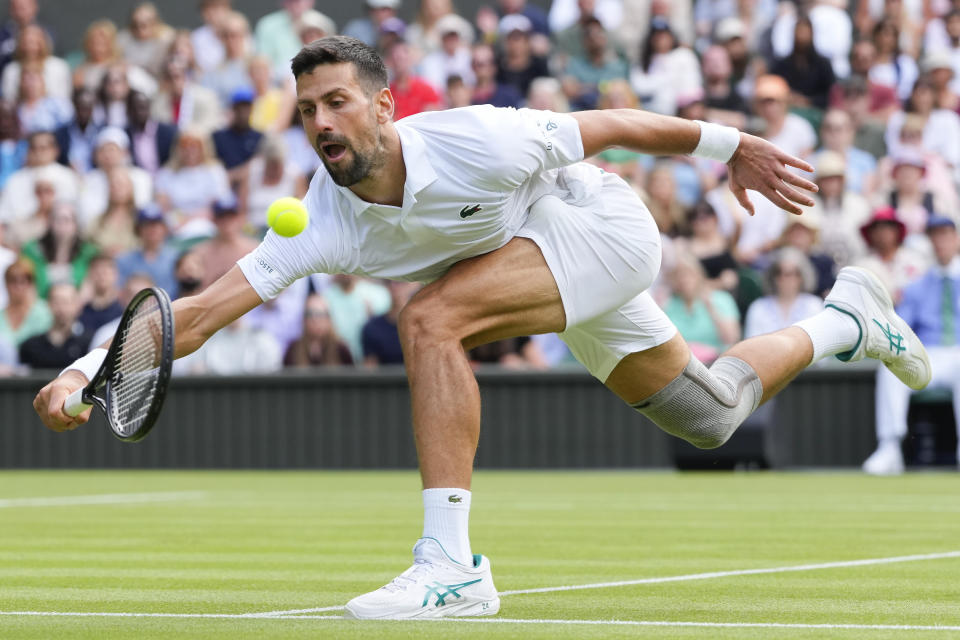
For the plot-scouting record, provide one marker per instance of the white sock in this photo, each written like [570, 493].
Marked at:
[831, 332]
[446, 517]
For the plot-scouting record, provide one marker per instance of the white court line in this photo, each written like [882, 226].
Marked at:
[631, 623]
[104, 498]
[689, 576]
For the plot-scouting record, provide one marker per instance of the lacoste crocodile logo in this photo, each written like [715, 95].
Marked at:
[454, 499]
[468, 211]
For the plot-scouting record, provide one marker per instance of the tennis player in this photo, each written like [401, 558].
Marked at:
[515, 235]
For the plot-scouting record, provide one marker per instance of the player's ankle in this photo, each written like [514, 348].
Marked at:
[832, 332]
[446, 516]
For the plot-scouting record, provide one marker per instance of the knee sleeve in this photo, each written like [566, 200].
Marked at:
[705, 406]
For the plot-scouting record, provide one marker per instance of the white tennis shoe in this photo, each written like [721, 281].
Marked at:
[435, 586]
[884, 336]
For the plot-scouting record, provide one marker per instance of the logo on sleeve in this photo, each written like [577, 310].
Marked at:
[263, 265]
[468, 211]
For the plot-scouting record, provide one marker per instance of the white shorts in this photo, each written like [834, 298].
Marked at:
[603, 248]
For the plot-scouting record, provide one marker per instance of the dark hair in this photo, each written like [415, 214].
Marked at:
[646, 55]
[338, 49]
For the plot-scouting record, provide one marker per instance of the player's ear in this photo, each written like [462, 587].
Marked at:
[384, 105]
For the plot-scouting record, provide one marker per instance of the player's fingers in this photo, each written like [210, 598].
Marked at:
[741, 195]
[792, 161]
[780, 201]
[798, 181]
[792, 194]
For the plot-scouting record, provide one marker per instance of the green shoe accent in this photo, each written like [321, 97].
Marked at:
[477, 559]
[846, 355]
[896, 340]
[448, 590]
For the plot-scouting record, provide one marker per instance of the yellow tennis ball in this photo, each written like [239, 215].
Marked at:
[287, 216]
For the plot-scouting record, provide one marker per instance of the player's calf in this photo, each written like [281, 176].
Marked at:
[705, 406]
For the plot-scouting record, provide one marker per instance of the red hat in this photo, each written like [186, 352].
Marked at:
[883, 214]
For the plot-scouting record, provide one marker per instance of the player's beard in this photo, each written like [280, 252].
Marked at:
[349, 172]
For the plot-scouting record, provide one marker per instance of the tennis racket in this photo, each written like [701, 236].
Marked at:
[132, 381]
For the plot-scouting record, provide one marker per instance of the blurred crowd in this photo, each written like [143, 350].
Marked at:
[150, 156]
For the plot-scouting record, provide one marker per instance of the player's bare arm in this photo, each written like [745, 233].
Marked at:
[196, 318]
[756, 164]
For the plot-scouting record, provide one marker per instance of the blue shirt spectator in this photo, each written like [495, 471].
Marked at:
[237, 143]
[154, 258]
[381, 341]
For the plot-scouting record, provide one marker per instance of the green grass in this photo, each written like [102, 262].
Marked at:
[263, 541]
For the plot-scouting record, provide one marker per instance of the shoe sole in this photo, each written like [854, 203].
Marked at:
[465, 610]
[864, 278]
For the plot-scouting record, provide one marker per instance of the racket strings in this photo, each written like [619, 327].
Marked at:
[134, 379]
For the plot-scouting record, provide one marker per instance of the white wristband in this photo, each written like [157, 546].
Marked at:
[716, 142]
[89, 364]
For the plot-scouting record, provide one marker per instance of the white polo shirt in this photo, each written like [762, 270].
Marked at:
[472, 174]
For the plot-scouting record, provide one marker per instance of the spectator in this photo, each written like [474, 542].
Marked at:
[26, 314]
[788, 280]
[538, 21]
[411, 93]
[836, 132]
[931, 307]
[666, 70]
[18, 200]
[60, 255]
[38, 222]
[457, 94]
[111, 153]
[731, 34]
[519, 354]
[425, 33]
[184, 103]
[453, 57]
[299, 149]
[830, 34]
[189, 184]
[7, 257]
[368, 29]
[182, 47]
[547, 94]
[231, 74]
[711, 248]
[313, 25]
[272, 106]
[146, 39]
[188, 272]
[938, 67]
[943, 34]
[65, 340]
[39, 111]
[320, 344]
[99, 51]
[22, 13]
[150, 140]
[518, 65]
[238, 349]
[724, 105]
[275, 34]
[910, 198]
[887, 258]
[882, 99]
[941, 128]
[661, 200]
[809, 74]
[708, 319]
[598, 64]
[221, 252]
[113, 94]
[282, 316]
[103, 293]
[134, 284]
[352, 301]
[35, 50]
[78, 137]
[153, 257]
[569, 36]
[271, 175]
[892, 68]
[487, 89]
[207, 46]
[787, 130]
[13, 148]
[868, 127]
[113, 230]
[237, 143]
[381, 342]
[844, 211]
[802, 234]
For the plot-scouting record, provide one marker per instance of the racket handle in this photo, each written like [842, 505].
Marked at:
[74, 404]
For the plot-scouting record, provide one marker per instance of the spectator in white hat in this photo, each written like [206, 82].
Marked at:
[938, 66]
[518, 65]
[843, 210]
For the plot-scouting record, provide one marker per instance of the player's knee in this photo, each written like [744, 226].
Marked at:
[705, 406]
[423, 322]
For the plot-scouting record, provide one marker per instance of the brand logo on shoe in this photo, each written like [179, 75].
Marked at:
[442, 591]
[896, 340]
[455, 499]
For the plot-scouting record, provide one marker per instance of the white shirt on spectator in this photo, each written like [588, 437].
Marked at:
[19, 198]
[941, 135]
[207, 48]
[261, 196]
[796, 137]
[900, 75]
[238, 349]
[437, 66]
[7, 257]
[671, 75]
[766, 316]
[756, 231]
[563, 13]
[56, 79]
[95, 193]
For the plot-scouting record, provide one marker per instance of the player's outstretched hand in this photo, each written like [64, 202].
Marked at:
[49, 402]
[761, 166]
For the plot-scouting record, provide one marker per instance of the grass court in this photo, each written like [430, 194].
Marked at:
[275, 554]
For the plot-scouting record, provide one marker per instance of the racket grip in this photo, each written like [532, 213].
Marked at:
[74, 404]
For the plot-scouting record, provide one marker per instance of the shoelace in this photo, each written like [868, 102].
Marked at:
[410, 576]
